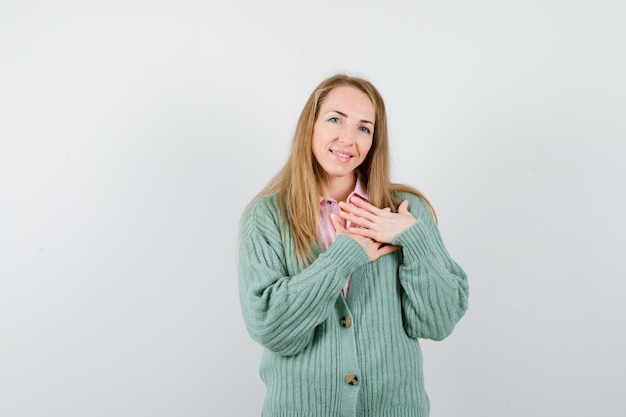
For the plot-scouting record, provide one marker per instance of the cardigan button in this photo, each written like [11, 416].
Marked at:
[346, 322]
[352, 379]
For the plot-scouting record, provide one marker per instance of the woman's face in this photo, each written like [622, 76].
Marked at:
[343, 131]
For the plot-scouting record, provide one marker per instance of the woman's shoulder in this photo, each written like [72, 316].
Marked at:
[267, 201]
[411, 196]
[265, 208]
[418, 203]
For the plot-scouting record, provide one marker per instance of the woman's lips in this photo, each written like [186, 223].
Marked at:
[340, 155]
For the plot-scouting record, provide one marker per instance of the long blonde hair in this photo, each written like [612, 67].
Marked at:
[298, 182]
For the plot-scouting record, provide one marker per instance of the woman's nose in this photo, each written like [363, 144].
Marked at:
[347, 135]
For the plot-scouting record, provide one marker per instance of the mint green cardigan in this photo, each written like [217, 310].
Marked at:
[327, 356]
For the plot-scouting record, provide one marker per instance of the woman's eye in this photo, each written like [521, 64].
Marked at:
[365, 130]
[334, 120]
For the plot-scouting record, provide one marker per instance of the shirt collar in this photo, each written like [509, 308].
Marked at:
[359, 191]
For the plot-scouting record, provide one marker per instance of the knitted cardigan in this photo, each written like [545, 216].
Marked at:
[327, 356]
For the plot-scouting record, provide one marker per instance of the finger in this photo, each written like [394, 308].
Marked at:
[355, 219]
[403, 207]
[362, 231]
[357, 211]
[364, 204]
[387, 209]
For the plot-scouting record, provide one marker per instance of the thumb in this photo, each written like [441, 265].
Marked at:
[336, 222]
[403, 207]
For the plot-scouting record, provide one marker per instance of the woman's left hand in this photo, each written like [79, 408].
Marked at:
[379, 224]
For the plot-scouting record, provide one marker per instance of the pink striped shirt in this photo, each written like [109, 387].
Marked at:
[325, 227]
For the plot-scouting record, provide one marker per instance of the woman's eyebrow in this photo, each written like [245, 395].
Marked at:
[345, 115]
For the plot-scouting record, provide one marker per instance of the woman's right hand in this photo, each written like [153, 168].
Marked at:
[373, 248]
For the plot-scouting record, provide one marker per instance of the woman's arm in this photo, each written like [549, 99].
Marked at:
[280, 311]
[435, 289]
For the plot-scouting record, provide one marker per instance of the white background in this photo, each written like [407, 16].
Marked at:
[133, 133]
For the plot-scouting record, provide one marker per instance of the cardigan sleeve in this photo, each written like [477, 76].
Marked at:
[281, 311]
[435, 290]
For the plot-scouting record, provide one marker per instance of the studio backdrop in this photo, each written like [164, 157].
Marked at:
[134, 133]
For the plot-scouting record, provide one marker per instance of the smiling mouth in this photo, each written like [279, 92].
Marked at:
[341, 155]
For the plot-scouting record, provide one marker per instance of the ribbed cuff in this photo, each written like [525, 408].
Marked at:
[417, 241]
[350, 252]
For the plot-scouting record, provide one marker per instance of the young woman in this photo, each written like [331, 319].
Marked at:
[341, 271]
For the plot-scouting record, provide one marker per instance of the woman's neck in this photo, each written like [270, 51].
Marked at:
[338, 188]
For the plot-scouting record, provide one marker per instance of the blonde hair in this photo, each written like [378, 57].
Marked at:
[298, 182]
